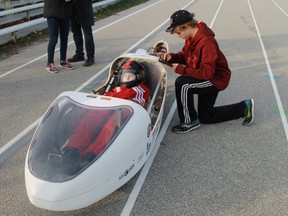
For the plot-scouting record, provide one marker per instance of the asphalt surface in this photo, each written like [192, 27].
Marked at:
[220, 169]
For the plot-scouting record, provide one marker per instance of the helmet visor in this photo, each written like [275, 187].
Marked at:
[128, 76]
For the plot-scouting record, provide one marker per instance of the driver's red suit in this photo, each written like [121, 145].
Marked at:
[102, 123]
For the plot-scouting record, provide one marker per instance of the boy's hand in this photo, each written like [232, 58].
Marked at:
[165, 56]
[174, 67]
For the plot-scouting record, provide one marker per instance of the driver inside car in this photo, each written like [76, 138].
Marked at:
[83, 146]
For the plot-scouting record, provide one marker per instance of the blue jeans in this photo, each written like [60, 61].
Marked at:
[78, 39]
[56, 26]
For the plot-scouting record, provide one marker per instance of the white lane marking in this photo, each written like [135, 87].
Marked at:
[144, 172]
[23, 65]
[140, 181]
[279, 7]
[18, 137]
[71, 42]
[274, 86]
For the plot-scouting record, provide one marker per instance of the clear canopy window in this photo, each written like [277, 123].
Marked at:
[72, 136]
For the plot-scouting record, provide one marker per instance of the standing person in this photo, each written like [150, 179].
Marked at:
[83, 19]
[58, 14]
[203, 71]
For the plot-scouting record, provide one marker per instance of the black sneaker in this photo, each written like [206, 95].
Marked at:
[185, 128]
[249, 112]
[89, 62]
[76, 58]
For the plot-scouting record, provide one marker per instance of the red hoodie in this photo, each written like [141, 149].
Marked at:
[202, 59]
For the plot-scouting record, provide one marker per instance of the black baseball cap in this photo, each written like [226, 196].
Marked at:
[178, 18]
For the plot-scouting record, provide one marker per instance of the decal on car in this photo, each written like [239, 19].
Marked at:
[126, 172]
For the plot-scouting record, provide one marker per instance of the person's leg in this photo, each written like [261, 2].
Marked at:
[208, 114]
[89, 126]
[185, 88]
[64, 32]
[107, 132]
[206, 102]
[53, 29]
[89, 45]
[78, 39]
[89, 41]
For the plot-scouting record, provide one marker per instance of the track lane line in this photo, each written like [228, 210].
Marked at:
[280, 8]
[271, 75]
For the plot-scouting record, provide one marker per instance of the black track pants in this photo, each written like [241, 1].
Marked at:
[186, 87]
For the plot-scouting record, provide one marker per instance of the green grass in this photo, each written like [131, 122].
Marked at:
[13, 48]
